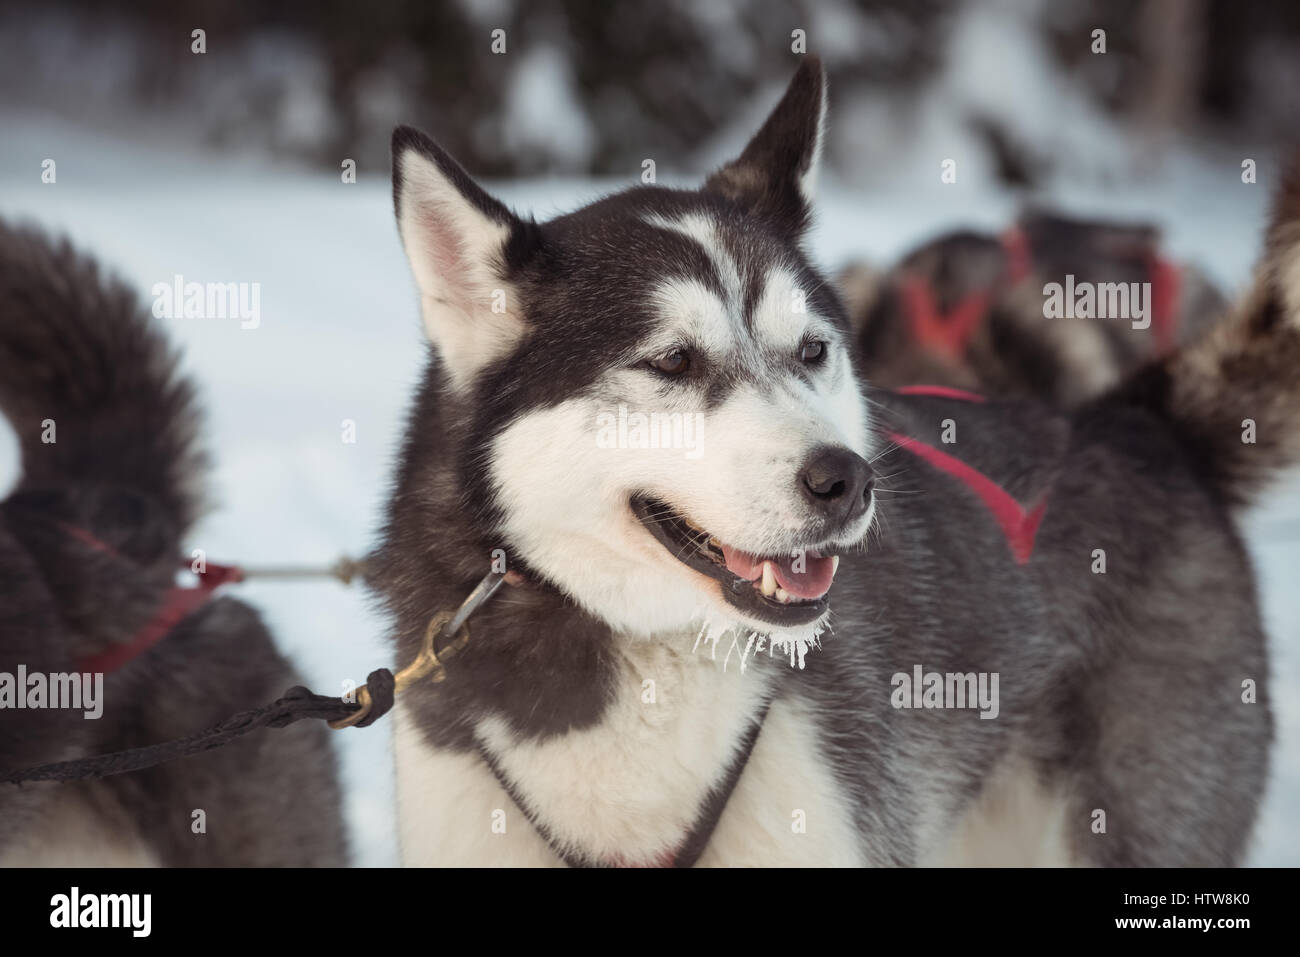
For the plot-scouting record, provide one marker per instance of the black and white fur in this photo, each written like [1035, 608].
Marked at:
[609, 690]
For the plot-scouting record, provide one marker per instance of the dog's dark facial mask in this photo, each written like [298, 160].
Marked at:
[662, 416]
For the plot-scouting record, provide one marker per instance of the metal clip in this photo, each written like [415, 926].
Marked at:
[430, 663]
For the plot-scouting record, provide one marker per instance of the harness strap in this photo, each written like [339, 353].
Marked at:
[941, 392]
[179, 602]
[690, 850]
[1166, 287]
[689, 853]
[948, 334]
[1018, 524]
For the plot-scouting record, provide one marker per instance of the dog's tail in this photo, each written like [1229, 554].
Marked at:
[90, 384]
[1234, 395]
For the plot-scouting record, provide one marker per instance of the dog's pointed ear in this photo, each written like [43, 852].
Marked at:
[462, 245]
[776, 174]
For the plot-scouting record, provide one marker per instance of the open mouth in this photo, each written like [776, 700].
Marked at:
[778, 589]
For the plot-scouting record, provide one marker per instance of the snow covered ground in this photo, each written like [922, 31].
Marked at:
[339, 337]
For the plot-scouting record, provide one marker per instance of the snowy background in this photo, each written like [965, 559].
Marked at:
[152, 194]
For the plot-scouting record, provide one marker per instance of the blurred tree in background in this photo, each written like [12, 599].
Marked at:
[593, 87]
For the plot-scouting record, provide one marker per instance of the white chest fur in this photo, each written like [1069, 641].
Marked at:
[629, 789]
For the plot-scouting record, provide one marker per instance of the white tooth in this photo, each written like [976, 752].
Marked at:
[835, 564]
[783, 596]
[769, 579]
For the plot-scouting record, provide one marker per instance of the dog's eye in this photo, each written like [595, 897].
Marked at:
[675, 363]
[812, 351]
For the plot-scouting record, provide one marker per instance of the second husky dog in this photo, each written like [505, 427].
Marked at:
[967, 309]
[90, 540]
[768, 615]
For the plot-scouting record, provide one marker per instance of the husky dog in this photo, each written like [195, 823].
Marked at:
[967, 309]
[1041, 644]
[89, 546]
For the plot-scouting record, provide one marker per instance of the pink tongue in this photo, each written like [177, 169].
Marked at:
[813, 582]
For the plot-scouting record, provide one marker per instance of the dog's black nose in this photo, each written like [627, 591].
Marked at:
[837, 484]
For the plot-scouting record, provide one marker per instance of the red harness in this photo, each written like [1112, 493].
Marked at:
[179, 602]
[945, 334]
[1166, 284]
[948, 335]
[1018, 524]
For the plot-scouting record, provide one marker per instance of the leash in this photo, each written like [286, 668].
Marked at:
[374, 699]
